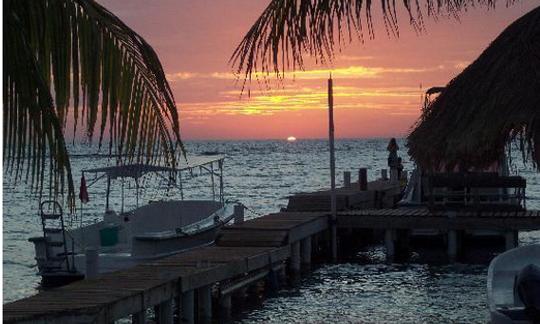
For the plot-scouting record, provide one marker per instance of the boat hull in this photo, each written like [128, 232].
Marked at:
[505, 305]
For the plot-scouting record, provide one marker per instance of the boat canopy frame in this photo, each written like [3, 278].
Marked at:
[137, 170]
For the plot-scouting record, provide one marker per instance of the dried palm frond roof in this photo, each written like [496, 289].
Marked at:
[494, 100]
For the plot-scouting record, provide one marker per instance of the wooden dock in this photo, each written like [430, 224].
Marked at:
[191, 286]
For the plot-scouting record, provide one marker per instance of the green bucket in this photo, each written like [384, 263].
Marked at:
[108, 236]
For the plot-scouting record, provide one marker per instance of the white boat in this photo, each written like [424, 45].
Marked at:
[124, 239]
[505, 304]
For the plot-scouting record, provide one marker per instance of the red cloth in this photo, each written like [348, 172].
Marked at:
[83, 191]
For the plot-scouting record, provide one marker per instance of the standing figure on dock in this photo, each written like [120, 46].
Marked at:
[393, 159]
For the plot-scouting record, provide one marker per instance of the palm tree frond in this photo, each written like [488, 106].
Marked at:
[75, 58]
[287, 30]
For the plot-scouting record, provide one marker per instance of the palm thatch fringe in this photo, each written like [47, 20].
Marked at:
[493, 101]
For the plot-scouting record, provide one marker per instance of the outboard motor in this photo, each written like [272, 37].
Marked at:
[528, 288]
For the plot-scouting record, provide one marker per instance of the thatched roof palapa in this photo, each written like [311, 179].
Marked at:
[494, 100]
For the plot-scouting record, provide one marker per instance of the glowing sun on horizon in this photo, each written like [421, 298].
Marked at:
[291, 139]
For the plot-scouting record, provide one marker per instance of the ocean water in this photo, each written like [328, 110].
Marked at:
[261, 174]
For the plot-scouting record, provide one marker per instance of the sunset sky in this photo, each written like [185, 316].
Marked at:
[378, 84]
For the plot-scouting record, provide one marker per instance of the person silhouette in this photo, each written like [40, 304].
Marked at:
[393, 161]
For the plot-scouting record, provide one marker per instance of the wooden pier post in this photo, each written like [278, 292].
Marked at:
[205, 304]
[384, 174]
[511, 240]
[402, 249]
[225, 303]
[389, 244]
[294, 262]
[164, 313]
[362, 179]
[139, 318]
[188, 307]
[92, 263]
[305, 253]
[347, 179]
[452, 245]
[239, 213]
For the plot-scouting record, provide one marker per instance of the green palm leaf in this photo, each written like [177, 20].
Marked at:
[65, 57]
[287, 30]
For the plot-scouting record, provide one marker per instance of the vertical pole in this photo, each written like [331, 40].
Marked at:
[137, 190]
[213, 183]
[221, 193]
[333, 231]
[122, 207]
[108, 192]
[181, 185]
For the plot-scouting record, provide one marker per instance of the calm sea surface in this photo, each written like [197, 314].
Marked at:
[261, 174]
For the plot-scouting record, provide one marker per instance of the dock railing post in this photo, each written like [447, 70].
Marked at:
[239, 213]
[362, 179]
[347, 179]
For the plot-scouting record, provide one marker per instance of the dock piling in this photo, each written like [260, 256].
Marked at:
[164, 312]
[205, 304]
[139, 318]
[389, 244]
[225, 304]
[384, 174]
[511, 240]
[294, 262]
[188, 307]
[452, 245]
[305, 253]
